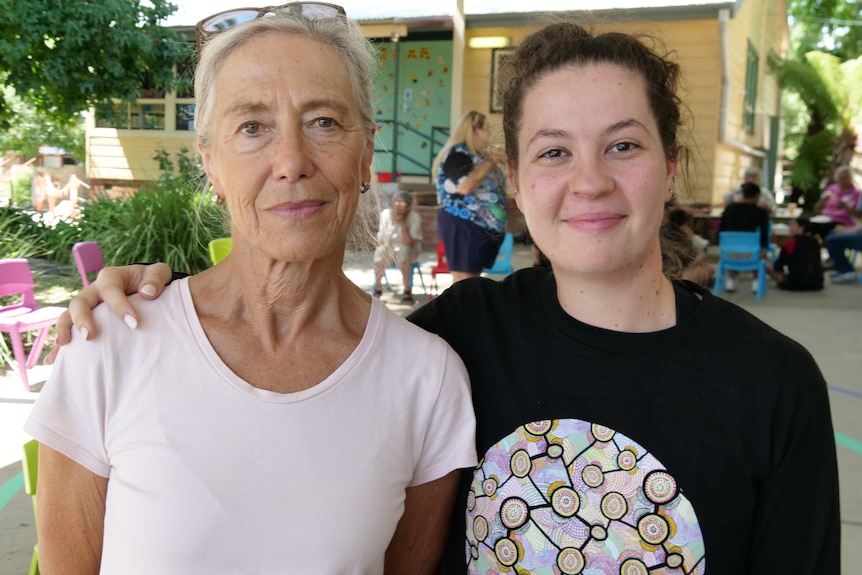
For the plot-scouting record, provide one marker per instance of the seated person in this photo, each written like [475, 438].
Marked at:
[840, 200]
[798, 267]
[683, 220]
[752, 175]
[844, 238]
[745, 216]
[676, 227]
[399, 235]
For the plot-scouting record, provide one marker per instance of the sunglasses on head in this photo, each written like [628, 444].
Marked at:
[228, 19]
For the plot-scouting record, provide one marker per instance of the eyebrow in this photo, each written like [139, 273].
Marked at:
[613, 128]
[630, 123]
[256, 106]
[245, 107]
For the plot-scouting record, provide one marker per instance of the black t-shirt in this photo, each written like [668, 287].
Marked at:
[744, 217]
[706, 444]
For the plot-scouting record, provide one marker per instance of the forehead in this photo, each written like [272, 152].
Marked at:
[276, 63]
[596, 85]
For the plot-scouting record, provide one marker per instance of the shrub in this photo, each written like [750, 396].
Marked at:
[22, 183]
[170, 222]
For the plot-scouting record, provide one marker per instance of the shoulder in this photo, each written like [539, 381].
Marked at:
[459, 154]
[409, 333]
[480, 302]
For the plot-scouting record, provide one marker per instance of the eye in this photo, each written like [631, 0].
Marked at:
[553, 153]
[251, 128]
[624, 147]
[324, 122]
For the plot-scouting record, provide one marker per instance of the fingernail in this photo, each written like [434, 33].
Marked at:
[85, 332]
[130, 321]
[149, 290]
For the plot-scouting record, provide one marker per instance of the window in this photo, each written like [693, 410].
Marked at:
[186, 116]
[750, 103]
[138, 116]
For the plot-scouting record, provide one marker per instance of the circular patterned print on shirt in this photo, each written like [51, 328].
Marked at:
[567, 496]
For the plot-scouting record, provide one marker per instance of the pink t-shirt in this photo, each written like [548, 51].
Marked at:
[208, 474]
[833, 210]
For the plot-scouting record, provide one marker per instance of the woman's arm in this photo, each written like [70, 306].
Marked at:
[422, 531]
[475, 178]
[70, 511]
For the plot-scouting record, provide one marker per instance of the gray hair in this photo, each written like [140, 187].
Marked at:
[344, 35]
[358, 54]
[407, 196]
[751, 172]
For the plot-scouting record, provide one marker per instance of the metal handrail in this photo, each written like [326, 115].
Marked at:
[432, 140]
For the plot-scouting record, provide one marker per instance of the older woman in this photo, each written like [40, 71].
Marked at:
[399, 235]
[263, 426]
[627, 422]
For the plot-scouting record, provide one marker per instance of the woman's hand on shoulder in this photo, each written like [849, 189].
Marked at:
[112, 286]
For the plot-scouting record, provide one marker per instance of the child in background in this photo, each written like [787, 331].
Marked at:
[798, 267]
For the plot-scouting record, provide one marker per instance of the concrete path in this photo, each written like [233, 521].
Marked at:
[829, 324]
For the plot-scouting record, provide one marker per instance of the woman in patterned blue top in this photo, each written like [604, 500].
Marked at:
[472, 217]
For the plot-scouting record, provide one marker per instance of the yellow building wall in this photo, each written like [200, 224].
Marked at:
[764, 24]
[122, 155]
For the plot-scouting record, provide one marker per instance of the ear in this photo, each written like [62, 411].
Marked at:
[512, 174]
[671, 168]
[369, 154]
[206, 158]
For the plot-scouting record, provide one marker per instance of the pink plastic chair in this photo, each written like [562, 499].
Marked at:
[17, 318]
[88, 258]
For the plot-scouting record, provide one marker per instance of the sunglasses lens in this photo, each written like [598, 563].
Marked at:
[225, 20]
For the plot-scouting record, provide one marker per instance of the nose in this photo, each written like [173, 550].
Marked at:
[590, 177]
[291, 154]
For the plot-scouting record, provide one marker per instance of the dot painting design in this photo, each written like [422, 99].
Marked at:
[570, 497]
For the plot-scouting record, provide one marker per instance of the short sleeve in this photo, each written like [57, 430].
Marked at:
[457, 166]
[450, 440]
[69, 415]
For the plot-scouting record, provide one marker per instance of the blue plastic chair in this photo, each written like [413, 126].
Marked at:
[414, 269]
[771, 247]
[740, 251]
[503, 264]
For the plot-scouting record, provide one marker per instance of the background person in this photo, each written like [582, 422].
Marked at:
[838, 243]
[745, 216]
[265, 425]
[606, 407]
[798, 266]
[839, 201]
[400, 237]
[471, 220]
[677, 228]
[752, 175]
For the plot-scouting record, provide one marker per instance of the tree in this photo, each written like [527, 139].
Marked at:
[30, 130]
[832, 26]
[831, 92]
[65, 56]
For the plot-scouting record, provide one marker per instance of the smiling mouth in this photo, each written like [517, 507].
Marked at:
[594, 222]
[298, 210]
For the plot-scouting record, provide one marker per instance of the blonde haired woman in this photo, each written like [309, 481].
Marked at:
[472, 217]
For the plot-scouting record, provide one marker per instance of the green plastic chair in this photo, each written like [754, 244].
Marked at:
[219, 249]
[30, 462]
